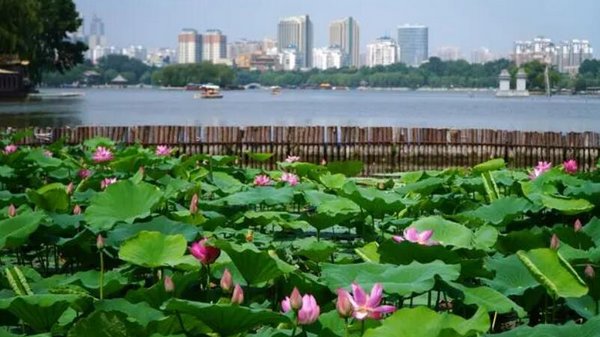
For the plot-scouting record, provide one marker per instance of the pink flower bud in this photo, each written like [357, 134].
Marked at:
[310, 311]
[76, 210]
[577, 226]
[226, 281]
[70, 188]
[194, 204]
[554, 242]
[205, 254]
[169, 285]
[12, 211]
[343, 305]
[238, 295]
[589, 272]
[99, 242]
[249, 235]
[142, 170]
[295, 299]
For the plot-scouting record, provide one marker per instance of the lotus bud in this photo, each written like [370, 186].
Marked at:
[577, 226]
[323, 162]
[100, 242]
[76, 210]
[238, 295]
[12, 211]
[141, 171]
[295, 299]
[343, 305]
[194, 204]
[249, 235]
[589, 272]
[169, 285]
[226, 281]
[70, 188]
[554, 242]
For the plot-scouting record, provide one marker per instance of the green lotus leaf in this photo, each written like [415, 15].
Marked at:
[424, 322]
[227, 320]
[161, 224]
[318, 251]
[153, 249]
[488, 298]
[333, 181]
[408, 252]
[52, 197]
[114, 281]
[140, 312]
[258, 195]
[511, 276]
[553, 272]
[255, 266]
[6, 171]
[401, 280]
[499, 212]
[15, 231]
[585, 306]
[259, 157]
[588, 329]
[446, 232]
[330, 210]
[490, 165]
[106, 324]
[226, 183]
[566, 205]
[349, 168]
[122, 201]
[375, 202]
[426, 186]
[39, 157]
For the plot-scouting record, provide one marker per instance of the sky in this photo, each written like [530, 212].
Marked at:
[467, 24]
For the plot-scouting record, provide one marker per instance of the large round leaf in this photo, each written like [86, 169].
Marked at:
[553, 272]
[161, 224]
[52, 197]
[499, 212]
[15, 231]
[511, 276]
[227, 320]
[446, 232]
[106, 324]
[123, 201]
[488, 298]
[258, 195]
[567, 205]
[153, 249]
[589, 329]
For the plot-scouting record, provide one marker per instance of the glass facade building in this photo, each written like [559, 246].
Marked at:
[414, 44]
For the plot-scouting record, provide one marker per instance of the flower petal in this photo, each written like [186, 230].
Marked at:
[359, 295]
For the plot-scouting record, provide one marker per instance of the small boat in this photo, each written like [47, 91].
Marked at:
[209, 91]
[275, 90]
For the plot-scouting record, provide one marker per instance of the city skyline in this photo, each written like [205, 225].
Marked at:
[157, 23]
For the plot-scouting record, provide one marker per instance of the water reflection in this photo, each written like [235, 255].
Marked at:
[48, 112]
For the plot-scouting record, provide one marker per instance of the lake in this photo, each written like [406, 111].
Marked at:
[133, 106]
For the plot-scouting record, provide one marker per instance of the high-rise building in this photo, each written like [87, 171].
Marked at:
[413, 41]
[214, 46]
[189, 49]
[571, 54]
[567, 56]
[296, 32]
[136, 52]
[96, 26]
[449, 53]
[96, 40]
[540, 49]
[345, 35]
[383, 51]
[327, 58]
[481, 56]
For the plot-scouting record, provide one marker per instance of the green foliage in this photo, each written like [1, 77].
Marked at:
[180, 75]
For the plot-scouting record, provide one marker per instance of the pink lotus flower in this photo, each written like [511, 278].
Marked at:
[589, 272]
[290, 178]
[554, 242]
[70, 188]
[292, 159]
[163, 150]
[168, 284]
[343, 305]
[8, 149]
[323, 162]
[413, 235]
[205, 254]
[541, 167]
[577, 226]
[84, 173]
[12, 211]
[364, 305]
[102, 155]
[570, 166]
[194, 204]
[76, 210]
[262, 180]
[99, 242]
[107, 182]
[48, 154]
[309, 313]
[293, 302]
[226, 281]
[238, 295]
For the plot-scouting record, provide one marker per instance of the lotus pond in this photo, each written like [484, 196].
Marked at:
[102, 239]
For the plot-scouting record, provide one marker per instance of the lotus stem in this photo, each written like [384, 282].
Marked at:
[181, 323]
[494, 321]
[362, 327]
[294, 330]
[101, 275]
[346, 327]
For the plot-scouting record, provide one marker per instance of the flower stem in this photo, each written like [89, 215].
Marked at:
[294, 330]
[362, 327]
[346, 327]
[101, 275]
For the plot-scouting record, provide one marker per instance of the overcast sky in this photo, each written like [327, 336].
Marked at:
[467, 24]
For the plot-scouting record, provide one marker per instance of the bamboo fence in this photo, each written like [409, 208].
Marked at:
[381, 149]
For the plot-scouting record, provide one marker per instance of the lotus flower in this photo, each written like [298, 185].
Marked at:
[163, 150]
[367, 306]
[226, 281]
[570, 166]
[323, 162]
[76, 210]
[554, 242]
[106, 182]
[194, 204]
[293, 302]
[577, 226]
[8, 149]
[238, 295]
[168, 284]
[541, 167]
[102, 155]
[12, 211]
[99, 242]
[309, 313]
[413, 235]
[70, 188]
[589, 272]
[290, 178]
[205, 254]
[292, 159]
[84, 173]
[343, 305]
[262, 180]
[48, 154]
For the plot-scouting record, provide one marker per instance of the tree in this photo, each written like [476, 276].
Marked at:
[36, 30]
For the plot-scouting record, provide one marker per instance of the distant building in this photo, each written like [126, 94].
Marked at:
[291, 59]
[242, 48]
[481, 56]
[414, 44]
[96, 40]
[345, 34]
[327, 58]
[136, 52]
[539, 49]
[566, 56]
[571, 54]
[296, 32]
[383, 51]
[189, 49]
[214, 46]
[449, 53]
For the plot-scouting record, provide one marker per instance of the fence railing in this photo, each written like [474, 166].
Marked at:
[381, 149]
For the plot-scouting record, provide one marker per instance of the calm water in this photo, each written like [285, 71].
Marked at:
[308, 107]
